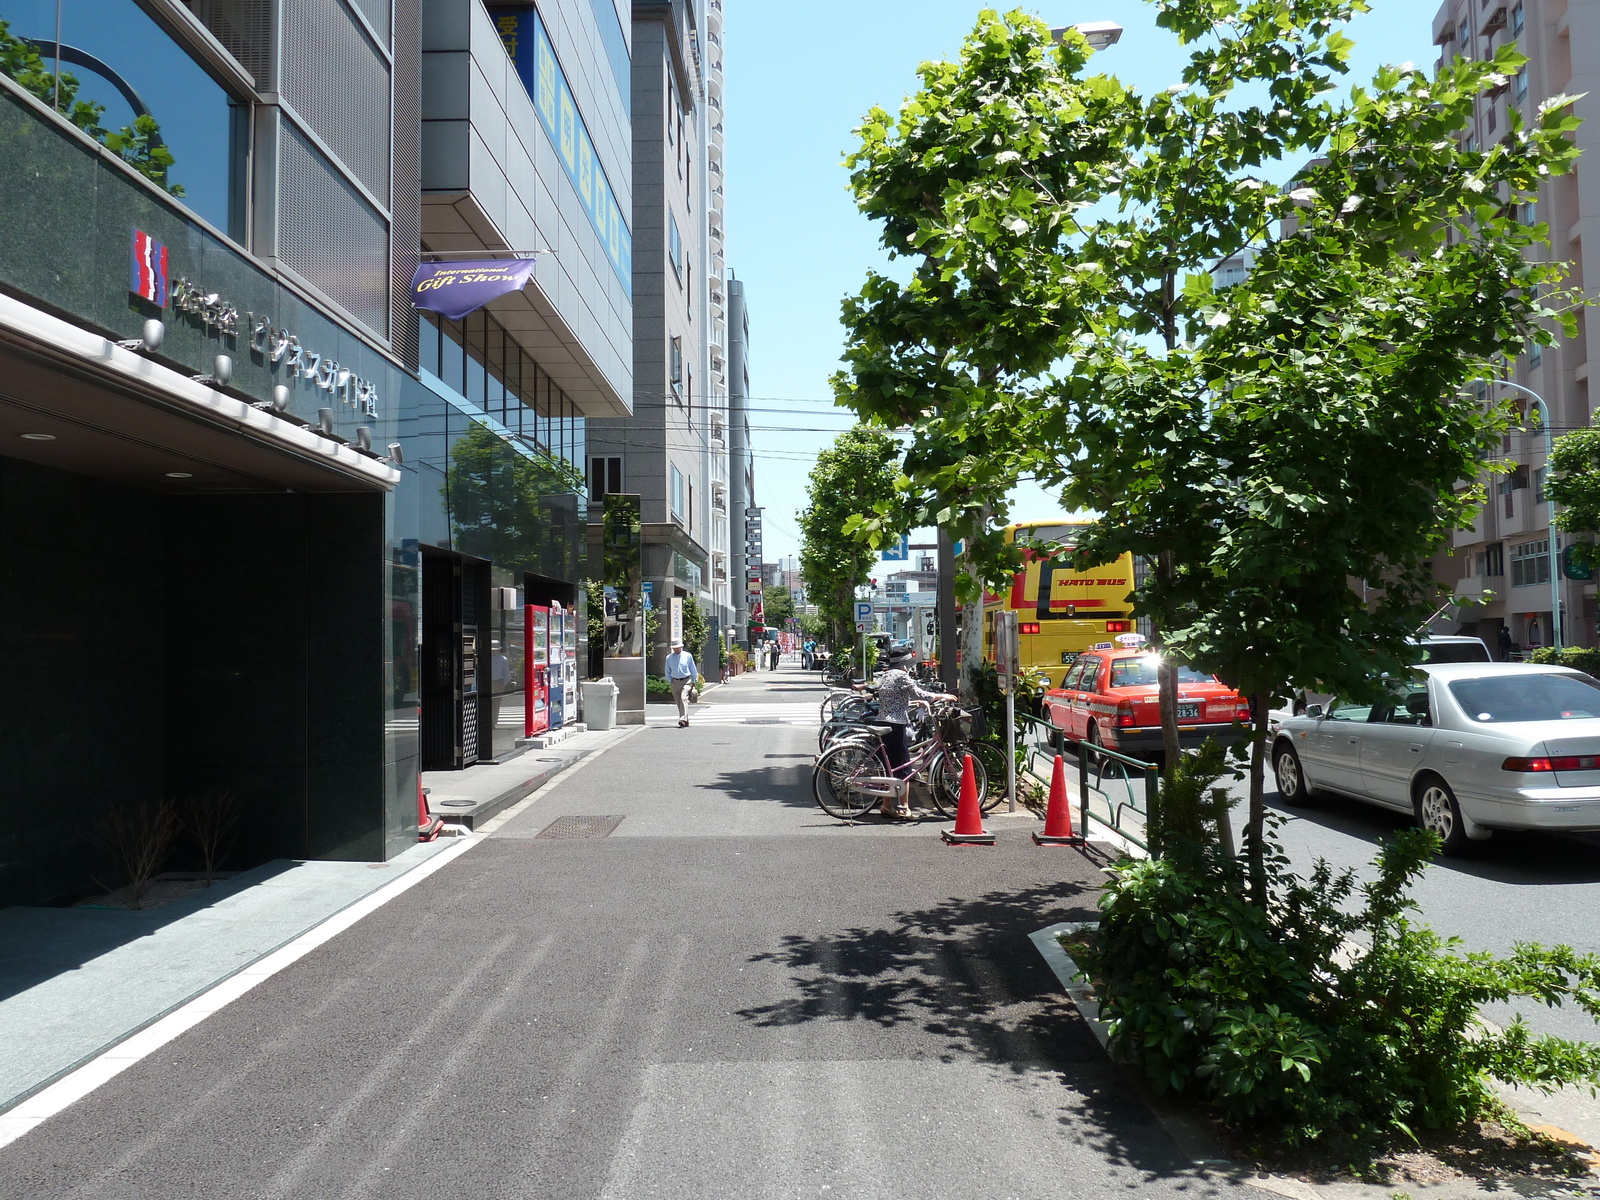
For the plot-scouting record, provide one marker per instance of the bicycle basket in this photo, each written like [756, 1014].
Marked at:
[955, 724]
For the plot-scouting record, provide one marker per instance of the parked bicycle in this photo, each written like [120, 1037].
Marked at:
[854, 775]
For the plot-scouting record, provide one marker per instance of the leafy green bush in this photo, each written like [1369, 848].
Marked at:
[1576, 657]
[1314, 1015]
[656, 687]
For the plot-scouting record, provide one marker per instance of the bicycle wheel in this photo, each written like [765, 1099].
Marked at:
[832, 777]
[944, 781]
[993, 758]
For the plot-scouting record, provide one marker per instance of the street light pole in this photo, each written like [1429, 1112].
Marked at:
[1555, 563]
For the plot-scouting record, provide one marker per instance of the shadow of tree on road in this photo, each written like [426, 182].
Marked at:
[964, 973]
[963, 969]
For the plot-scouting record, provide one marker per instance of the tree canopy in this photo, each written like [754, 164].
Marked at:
[1262, 443]
[854, 476]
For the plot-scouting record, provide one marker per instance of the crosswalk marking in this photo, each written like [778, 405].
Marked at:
[792, 713]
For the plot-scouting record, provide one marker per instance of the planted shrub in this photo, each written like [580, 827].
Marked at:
[1314, 1014]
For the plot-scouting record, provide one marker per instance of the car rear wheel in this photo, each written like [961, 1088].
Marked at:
[1438, 812]
[1291, 778]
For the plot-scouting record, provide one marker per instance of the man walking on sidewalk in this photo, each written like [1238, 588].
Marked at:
[681, 674]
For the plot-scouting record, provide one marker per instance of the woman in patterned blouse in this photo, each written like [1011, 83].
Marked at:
[896, 690]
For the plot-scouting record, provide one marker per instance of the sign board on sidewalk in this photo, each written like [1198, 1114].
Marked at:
[861, 626]
[675, 621]
[1007, 652]
[649, 593]
[863, 611]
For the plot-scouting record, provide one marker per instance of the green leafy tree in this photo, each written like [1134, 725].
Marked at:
[854, 477]
[1259, 444]
[779, 606]
[696, 627]
[1573, 482]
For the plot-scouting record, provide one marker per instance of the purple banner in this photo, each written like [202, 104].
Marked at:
[455, 289]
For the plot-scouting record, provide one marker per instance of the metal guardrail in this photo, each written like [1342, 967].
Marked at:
[1115, 790]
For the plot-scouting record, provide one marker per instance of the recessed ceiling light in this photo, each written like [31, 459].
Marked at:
[39, 437]
[179, 475]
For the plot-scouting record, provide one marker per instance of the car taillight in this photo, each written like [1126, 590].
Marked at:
[1125, 717]
[1526, 766]
[1119, 626]
[1565, 762]
[1028, 627]
[1241, 711]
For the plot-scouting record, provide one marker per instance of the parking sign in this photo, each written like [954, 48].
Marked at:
[863, 611]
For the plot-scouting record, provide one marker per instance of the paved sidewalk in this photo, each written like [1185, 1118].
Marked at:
[76, 981]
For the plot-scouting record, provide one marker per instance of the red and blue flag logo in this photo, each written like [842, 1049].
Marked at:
[149, 278]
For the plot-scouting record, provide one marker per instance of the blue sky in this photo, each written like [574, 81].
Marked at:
[799, 79]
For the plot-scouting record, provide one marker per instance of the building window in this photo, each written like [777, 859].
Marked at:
[675, 244]
[144, 72]
[677, 494]
[1538, 486]
[1535, 354]
[605, 477]
[1493, 116]
[675, 365]
[1463, 33]
[688, 288]
[672, 106]
[1492, 560]
[1530, 563]
[1516, 20]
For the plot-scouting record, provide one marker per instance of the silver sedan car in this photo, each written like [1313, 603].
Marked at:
[1466, 748]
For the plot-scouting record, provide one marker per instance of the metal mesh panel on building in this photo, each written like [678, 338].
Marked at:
[337, 81]
[406, 215]
[330, 235]
[244, 27]
[377, 12]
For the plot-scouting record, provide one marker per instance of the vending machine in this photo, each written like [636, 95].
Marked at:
[569, 646]
[537, 684]
[558, 675]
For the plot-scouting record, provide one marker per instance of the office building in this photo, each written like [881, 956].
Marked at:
[1505, 556]
[672, 450]
[263, 526]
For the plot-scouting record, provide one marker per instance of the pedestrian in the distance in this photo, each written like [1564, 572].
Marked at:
[681, 674]
[772, 650]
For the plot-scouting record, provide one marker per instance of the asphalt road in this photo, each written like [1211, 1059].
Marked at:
[730, 995]
[1516, 887]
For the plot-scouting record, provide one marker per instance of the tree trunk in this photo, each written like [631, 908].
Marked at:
[1256, 828]
[972, 624]
[1167, 683]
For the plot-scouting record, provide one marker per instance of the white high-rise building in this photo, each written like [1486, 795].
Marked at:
[1506, 554]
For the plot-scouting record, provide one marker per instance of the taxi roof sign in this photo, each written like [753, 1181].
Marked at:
[1131, 639]
[1102, 646]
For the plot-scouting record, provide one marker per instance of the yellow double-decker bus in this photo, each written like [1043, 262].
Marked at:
[1060, 612]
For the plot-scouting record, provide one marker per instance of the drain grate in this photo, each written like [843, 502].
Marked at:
[580, 827]
[763, 720]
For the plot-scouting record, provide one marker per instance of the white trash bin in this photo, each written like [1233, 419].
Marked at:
[600, 702]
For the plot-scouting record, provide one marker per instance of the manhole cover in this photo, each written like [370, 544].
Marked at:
[455, 803]
[763, 720]
[580, 827]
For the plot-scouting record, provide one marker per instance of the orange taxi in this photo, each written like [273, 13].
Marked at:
[1110, 697]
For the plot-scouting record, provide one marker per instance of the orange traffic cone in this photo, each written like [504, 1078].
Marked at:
[969, 830]
[1058, 816]
[428, 826]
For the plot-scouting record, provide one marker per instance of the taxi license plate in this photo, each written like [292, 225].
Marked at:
[1188, 712]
